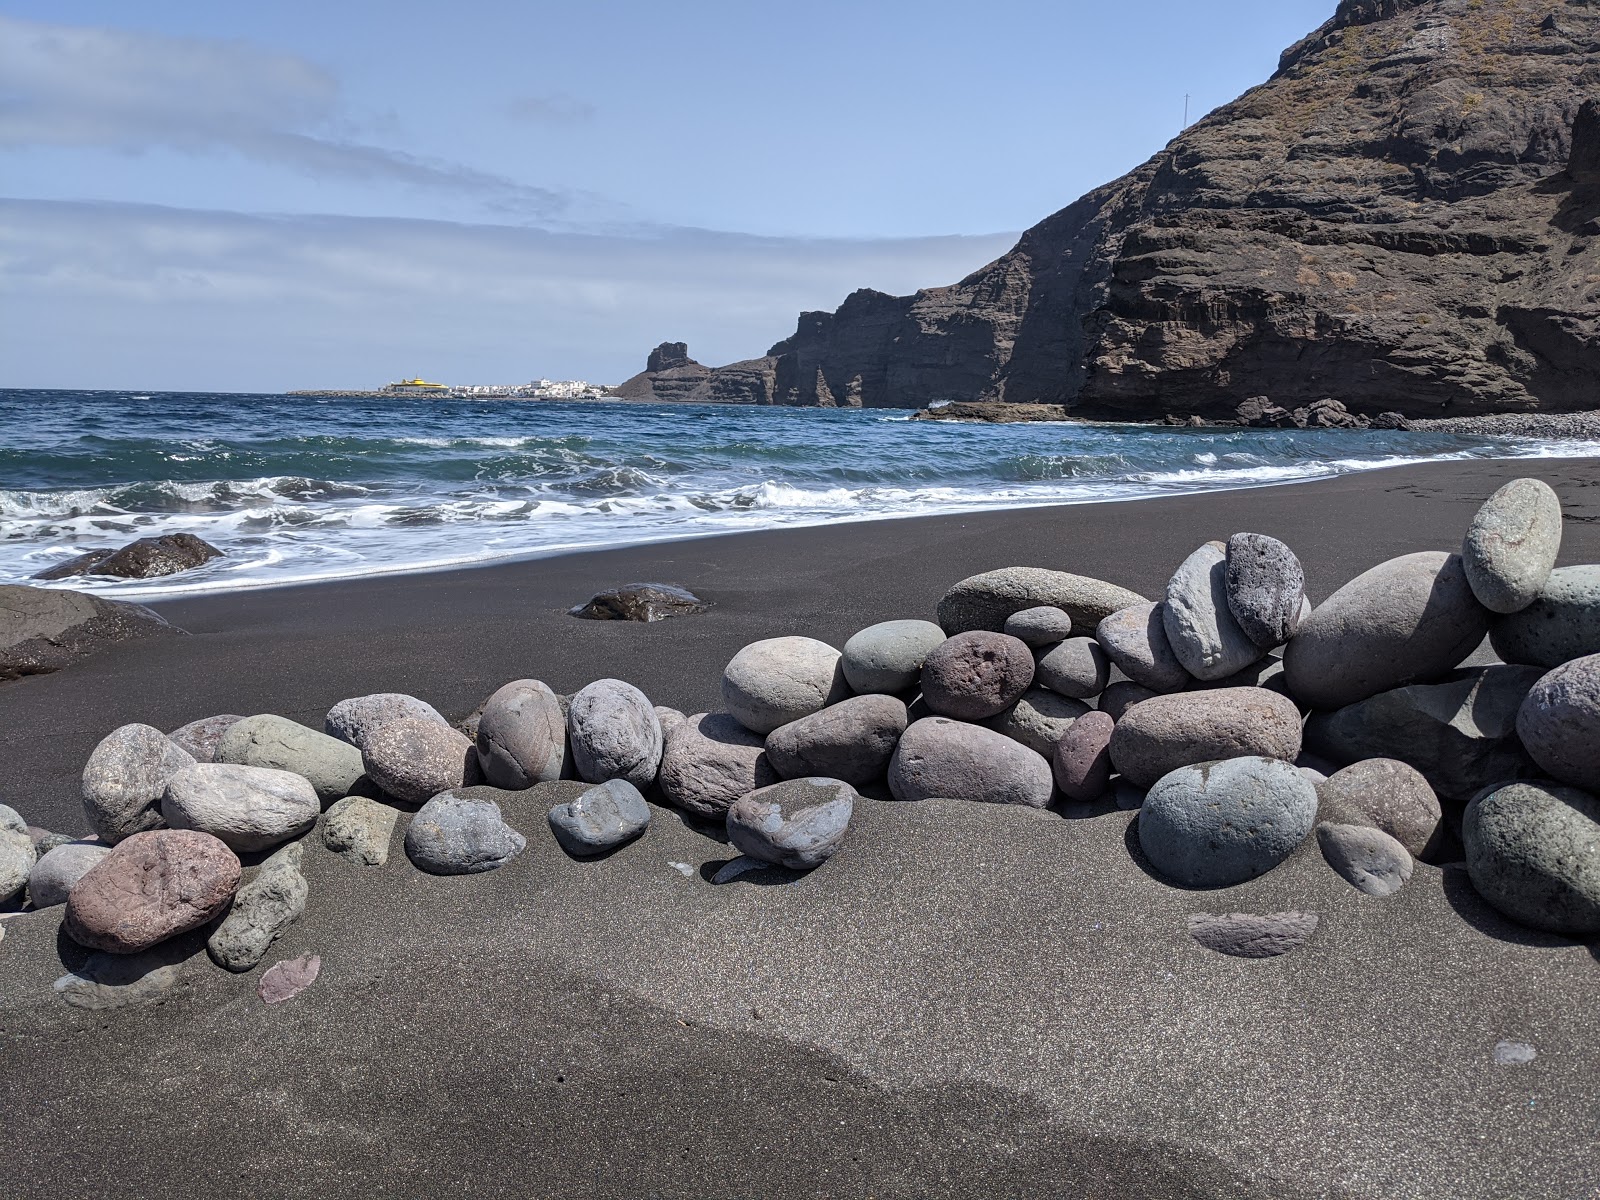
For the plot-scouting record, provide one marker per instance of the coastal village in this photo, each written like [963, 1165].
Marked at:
[419, 388]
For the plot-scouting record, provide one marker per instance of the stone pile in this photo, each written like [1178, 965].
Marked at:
[1036, 687]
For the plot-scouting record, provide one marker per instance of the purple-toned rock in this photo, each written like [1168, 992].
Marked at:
[976, 675]
[1385, 794]
[709, 761]
[1266, 588]
[124, 778]
[615, 733]
[1041, 627]
[851, 741]
[1559, 722]
[1135, 639]
[937, 757]
[1077, 667]
[286, 980]
[772, 682]
[798, 823]
[521, 736]
[414, 760]
[1167, 732]
[353, 719]
[1082, 759]
[200, 737]
[152, 886]
[1119, 697]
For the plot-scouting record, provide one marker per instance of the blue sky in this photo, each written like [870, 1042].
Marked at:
[238, 197]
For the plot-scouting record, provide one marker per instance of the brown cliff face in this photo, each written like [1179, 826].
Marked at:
[1389, 221]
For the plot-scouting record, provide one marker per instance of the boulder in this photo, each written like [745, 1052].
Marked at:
[262, 909]
[1409, 620]
[1119, 697]
[1167, 732]
[18, 857]
[200, 738]
[614, 733]
[1077, 667]
[152, 886]
[888, 657]
[972, 676]
[1533, 851]
[772, 682]
[1266, 588]
[1460, 734]
[58, 870]
[599, 819]
[460, 834]
[1042, 626]
[986, 601]
[1135, 639]
[1252, 935]
[1559, 722]
[1220, 823]
[850, 741]
[248, 808]
[798, 823]
[359, 830]
[522, 735]
[957, 761]
[124, 778]
[353, 719]
[415, 760]
[669, 718]
[1199, 624]
[331, 766]
[1038, 719]
[1512, 544]
[1366, 858]
[709, 761]
[44, 629]
[1081, 760]
[1386, 794]
[147, 558]
[640, 602]
[1560, 624]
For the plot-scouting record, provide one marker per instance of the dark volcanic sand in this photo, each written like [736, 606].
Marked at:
[968, 1000]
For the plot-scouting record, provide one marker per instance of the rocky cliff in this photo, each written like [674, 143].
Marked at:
[1404, 218]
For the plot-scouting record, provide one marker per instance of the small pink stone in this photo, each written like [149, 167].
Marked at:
[289, 978]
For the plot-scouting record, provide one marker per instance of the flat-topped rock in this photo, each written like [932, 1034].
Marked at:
[986, 601]
[45, 629]
[600, 818]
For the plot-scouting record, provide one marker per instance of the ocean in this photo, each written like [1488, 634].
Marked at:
[296, 489]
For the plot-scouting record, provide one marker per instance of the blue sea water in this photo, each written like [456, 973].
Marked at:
[295, 489]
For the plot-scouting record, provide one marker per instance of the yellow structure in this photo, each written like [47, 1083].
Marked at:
[416, 387]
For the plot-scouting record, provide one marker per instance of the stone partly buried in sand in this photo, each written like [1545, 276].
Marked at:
[1250, 935]
[600, 818]
[147, 558]
[641, 602]
[462, 833]
[1533, 851]
[151, 887]
[359, 830]
[1366, 858]
[262, 909]
[799, 823]
[45, 629]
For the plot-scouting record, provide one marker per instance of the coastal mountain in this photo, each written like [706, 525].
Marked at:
[1405, 217]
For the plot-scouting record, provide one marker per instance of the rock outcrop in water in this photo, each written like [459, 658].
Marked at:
[1404, 217]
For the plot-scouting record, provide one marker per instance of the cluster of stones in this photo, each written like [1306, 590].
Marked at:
[1241, 722]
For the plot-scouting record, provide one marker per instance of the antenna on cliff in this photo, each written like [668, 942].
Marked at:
[1186, 110]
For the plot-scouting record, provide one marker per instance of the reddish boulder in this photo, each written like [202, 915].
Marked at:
[152, 886]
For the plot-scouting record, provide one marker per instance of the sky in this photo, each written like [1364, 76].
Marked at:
[204, 196]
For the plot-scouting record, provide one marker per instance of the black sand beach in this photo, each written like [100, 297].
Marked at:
[968, 1000]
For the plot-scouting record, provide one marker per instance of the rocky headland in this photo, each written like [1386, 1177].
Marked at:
[1402, 220]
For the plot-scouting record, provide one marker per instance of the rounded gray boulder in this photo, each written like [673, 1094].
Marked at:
[1135, 639]
[709, 761]
[1039, 719]
[265, 740]
[1041, 626]
[414, 760]
[772, 682]
[1408, 620]
[1559, 722]
[353, 719]
[1385, 794]
[18, 858]
[1512, 544]
[1533, 851]
[1561, 623]
[798, 823]
[1164, 733]
[615, 733]
[246, 808]
[1199, 624]
[957, 761]
[852, 740]
[458, 834]
[600, 818]
[976, 675]
[522, 735]
[1266, 588]
[986, 601]
[1077, 667]
[1216, 824]
[58, 869]
[124, 778]
[1119, 697]
[888, 657]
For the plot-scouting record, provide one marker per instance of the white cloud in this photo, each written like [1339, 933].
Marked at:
[104, 295]
[113, 89]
